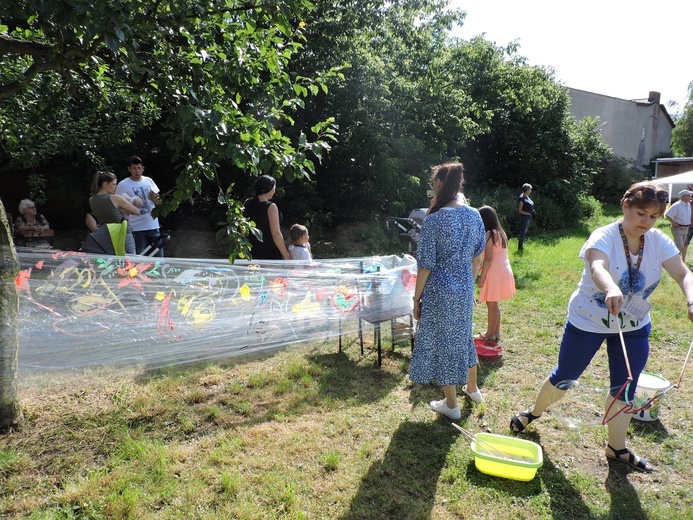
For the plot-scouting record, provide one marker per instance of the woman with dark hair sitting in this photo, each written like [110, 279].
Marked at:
[108, 208]
[265, 214]
[623, 264]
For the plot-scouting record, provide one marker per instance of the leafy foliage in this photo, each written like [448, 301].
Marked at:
[211, 76]
[391, 106]
[227, 89]
[682, 135]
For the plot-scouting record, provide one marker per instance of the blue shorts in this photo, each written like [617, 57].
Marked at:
[579, 347]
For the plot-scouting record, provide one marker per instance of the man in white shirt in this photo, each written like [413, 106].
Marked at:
[145, 228]
[689, 236]
[679, 214]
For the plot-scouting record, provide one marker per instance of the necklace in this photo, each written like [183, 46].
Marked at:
[632, 270]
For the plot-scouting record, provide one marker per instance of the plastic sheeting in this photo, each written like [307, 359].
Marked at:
[79, 310]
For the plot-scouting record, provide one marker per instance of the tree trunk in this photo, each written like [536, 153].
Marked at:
[10, 412]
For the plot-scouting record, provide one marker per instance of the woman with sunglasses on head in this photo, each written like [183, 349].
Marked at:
[623, 265]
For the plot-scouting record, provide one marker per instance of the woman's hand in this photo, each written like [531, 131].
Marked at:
[614, 300]
[417, 309]
[598, 262]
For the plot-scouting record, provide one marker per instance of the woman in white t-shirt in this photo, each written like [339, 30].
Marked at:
[613, 293]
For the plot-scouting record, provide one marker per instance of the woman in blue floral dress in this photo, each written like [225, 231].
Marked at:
[449, 254]
[623, 264]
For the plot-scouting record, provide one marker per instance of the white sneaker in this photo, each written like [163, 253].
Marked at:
[442, 408]
[474, 396]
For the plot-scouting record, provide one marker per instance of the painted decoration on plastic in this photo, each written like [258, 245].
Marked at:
[79, 310]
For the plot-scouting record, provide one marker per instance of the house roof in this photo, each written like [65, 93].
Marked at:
[673, 159]
[642, 101]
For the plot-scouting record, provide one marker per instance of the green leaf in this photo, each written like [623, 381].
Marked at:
[112, 42]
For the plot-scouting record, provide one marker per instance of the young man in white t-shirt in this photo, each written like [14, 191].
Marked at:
[145, 228]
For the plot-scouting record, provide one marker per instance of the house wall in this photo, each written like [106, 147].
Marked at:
[668, 167]
[638, 130]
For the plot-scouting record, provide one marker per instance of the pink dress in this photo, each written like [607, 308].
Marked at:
[500, 282]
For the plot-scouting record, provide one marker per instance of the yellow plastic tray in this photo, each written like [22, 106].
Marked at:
[521, 462]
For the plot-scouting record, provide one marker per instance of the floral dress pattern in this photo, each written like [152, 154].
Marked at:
[444, 347]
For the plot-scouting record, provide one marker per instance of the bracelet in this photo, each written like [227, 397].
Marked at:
[417, 300]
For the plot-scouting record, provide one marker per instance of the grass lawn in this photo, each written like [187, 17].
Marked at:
[311, 433]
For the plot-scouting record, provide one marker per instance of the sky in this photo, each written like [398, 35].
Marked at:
[618, 48]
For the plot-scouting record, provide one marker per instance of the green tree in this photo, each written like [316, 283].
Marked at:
[525, 132]
[682, 135]
[211, 75]
[397, 111]
[412, 96]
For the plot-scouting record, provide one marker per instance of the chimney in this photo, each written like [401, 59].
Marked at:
[654, 97]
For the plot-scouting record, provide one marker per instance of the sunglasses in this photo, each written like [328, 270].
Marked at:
[649, 193]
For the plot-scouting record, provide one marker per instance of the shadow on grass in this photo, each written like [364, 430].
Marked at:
[625, 502]
[404, 483]
[526, 279]
[343, 378]
[654, 430]
[506, 486]
[330, 378]
[565, 500]
[486, 368]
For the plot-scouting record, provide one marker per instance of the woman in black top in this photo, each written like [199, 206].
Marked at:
[525, 208]
[265, 214]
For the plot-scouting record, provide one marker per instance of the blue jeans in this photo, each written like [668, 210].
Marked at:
[146, 237]
[579, 347]
[524, 226]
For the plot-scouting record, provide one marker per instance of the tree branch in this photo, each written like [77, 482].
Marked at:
[14, 46]
[46, 58]
[38, 67]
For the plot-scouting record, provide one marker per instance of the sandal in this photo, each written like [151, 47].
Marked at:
[516, 425]
[642, 463]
